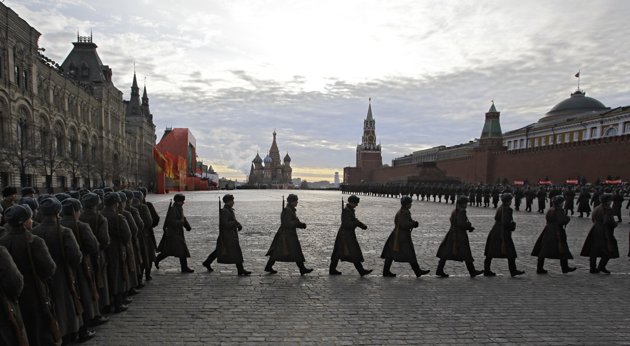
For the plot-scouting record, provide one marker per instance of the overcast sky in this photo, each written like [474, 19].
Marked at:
[233, 71]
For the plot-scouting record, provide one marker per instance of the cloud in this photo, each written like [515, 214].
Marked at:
[234, 71]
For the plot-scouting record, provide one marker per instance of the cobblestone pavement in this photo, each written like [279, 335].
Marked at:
[221, 307]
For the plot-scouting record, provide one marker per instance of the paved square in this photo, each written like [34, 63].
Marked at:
[220, 307]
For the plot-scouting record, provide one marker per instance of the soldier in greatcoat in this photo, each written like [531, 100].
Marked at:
[541, 197]
[569, 196]
[228, 250]
[33, 260]
[552, 242]
[399, 245]
[150, 241]
[146, 245]
[584, 203]
[601, 241]
[66, 253]
[132, 248]
[286, 245]
[98, 224]
[456, 246]
[117, 268]
[529, 198]
[173, 242]
[499, 243]
[346, 244]
[12, 330]
[138, 241]
[84, 273]
[617, 202]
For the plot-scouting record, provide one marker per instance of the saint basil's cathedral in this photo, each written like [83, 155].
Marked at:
[270, 171]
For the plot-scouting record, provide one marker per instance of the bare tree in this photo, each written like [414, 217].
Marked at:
[19, 154]
[74, 164]
[50, 158]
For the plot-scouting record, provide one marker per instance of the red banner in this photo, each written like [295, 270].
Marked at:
[613, 182]
[519, 182]
[544, 182]
[572, 182]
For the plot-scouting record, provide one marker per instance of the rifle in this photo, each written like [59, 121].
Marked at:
[16, 324]
[282, 202]
[219, 238]
[166, 219]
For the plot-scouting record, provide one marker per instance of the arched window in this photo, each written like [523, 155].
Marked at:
[85, 70]
[59, 140]
[4, 122]
[22, 128]
[611, 131]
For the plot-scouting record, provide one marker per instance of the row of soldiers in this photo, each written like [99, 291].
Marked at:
[552, 242]
[588, 197]
[68, 260]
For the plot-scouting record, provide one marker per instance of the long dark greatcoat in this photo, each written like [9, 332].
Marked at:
[584, 202]
[600, 241]
[499, 243]
[346, 244]
[17, 242]
[173, 242]
[99, 226]
[85, 271]
[132, 249]
[286, 245]
[399, 245]
[66, 252]
[11, 286]
[146, 243]
[456, 246]
[552, 242]
[228, 247]
[119, 235]
[542, 198]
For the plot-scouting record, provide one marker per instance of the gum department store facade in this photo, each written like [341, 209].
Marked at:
[67, 126]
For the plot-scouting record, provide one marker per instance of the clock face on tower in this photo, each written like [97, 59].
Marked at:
[370, 138]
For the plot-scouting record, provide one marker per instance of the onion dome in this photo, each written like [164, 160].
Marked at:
[268, 159]
[287, 158]
[257, 159]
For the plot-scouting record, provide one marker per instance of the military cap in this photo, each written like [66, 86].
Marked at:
[292, 198]
[404, 200]
[18, 214]
[42, 197]
[462, 200]
[62, 196]
[353, 199]
[74, 194]
[128, 194]
[28, 191]
[138, 194]
[90, 200]
[506, 197]
[99, 192]
[143, 190]
[70, 205]
[9, 191]
[557, 200]
[111, 198]
[83, 192]
[50, 206]
[228, 197]
[30, 201]
[122, 195]
[179, 197]
[108, 189]
[606, 197]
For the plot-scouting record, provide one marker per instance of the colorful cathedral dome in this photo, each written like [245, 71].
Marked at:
[287, 158]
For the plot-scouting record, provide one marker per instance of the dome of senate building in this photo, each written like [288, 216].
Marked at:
[578, 103]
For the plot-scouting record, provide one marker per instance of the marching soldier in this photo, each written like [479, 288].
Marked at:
[552, 242]
[33, 260]
[66, 253]
[617, 202]
[601, 241]
[499, 243]
[456, 246]
[286, 245]
[541, 196]
[146, 245]
[569, 196]
[518, 196]
[84, 273]
[399, 246]
[346, 244]
[529, 199]
[173, 242]
[228, 249]
[584, 202]
[151, 244]
[133, 252]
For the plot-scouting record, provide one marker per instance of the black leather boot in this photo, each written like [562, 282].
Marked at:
[540, 266]
[593, 264]
[471, 269]
[440, 269]
[486, 267]
[333, 267]
[386, 268]
[183, 262]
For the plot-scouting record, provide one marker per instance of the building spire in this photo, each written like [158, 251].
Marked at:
[369, 114]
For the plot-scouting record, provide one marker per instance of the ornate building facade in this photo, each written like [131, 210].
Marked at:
[271, 171]
[368, 154]
[67, 126]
